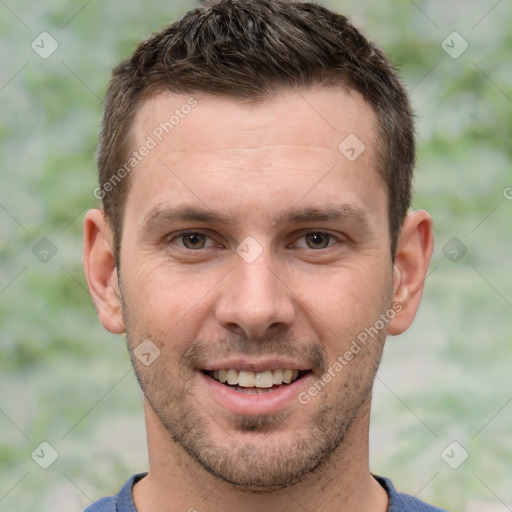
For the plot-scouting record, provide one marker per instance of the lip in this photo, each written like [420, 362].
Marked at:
[256, 366]
[255, 404]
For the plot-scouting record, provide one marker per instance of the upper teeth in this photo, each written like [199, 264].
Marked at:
[255, 379]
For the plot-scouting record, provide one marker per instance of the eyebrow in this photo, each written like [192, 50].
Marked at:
[162, 216]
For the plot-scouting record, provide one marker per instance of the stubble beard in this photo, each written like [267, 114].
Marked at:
[251, 458]
[257, 464]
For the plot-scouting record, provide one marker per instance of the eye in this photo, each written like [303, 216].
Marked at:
[191, 240]
[194, 240]
[317, 240]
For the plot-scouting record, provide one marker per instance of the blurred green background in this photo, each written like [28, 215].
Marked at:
[66, 381]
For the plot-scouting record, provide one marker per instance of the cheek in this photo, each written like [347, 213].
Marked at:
[164, 299]
[343, 302]
[351, 288]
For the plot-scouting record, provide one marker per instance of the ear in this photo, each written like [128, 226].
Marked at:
[414, 250]
[100, 271]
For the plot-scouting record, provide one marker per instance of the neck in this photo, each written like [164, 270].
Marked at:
[176, 482]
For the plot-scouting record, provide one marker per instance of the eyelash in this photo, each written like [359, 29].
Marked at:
[181, 234]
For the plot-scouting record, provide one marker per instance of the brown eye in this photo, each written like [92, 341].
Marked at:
[317, 240]
[193, 240]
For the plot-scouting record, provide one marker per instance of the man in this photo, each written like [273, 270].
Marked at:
[255, 169]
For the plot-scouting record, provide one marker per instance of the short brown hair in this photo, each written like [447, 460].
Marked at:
[246, 50]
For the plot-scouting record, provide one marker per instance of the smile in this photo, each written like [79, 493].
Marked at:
[255, 382]
[254, 393]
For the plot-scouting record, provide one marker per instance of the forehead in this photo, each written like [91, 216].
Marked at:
[322, 116]
[221, 151]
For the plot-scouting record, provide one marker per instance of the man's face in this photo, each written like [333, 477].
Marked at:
[296, 265]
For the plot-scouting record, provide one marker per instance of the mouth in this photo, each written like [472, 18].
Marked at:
[250, 382]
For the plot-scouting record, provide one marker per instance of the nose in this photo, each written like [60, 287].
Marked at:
[255, 299]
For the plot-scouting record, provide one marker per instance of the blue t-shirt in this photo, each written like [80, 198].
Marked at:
[123, 502]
